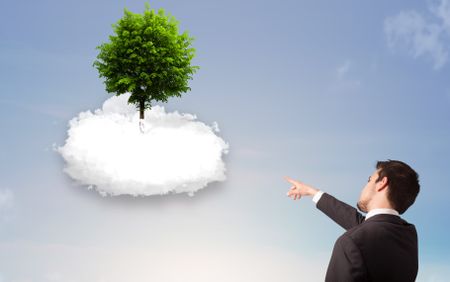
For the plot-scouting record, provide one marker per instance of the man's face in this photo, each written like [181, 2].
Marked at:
[367, 193]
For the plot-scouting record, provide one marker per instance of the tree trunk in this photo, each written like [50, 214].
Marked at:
[141, 109]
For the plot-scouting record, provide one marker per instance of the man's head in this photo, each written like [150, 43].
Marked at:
[394, 184]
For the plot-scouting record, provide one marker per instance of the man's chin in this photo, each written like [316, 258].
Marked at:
[361, 207]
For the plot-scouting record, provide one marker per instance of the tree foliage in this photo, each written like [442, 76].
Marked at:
[146, 57]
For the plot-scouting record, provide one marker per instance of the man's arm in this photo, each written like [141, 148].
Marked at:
[346, 263]
[342, 213]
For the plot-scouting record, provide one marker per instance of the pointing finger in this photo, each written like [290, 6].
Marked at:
[289, 179]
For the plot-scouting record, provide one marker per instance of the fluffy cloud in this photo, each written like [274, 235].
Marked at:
[419, 36]
[106, 150]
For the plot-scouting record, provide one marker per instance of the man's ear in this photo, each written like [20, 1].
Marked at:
[381, 184]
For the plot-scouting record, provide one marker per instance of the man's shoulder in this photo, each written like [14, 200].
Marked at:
[379, 227]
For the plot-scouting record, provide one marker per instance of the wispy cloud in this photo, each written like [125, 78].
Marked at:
[6, 199]
[343, 70]
[343, 80]
[442, 11]
[421, 35]
[6, 205]
[59, 112]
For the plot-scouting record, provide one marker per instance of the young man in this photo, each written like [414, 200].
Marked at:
[380, 246]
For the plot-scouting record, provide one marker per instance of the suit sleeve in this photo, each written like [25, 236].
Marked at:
[346, 263]
[342, 213]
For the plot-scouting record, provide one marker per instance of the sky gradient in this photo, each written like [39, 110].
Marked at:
[314, 90]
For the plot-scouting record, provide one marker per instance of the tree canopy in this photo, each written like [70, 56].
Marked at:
[146, 57]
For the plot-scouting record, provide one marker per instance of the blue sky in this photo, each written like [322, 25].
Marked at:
[315, 90]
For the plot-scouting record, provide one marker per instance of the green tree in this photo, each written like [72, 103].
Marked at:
[146, 57]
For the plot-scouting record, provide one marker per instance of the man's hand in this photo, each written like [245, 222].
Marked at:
[299, 189]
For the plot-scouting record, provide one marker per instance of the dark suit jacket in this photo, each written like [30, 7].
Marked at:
[382, 248]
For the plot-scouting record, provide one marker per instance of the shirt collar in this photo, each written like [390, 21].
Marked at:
[381, 211]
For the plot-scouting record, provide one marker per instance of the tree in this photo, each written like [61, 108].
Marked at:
[146, 57]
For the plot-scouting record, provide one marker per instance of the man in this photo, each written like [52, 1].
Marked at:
[380, 246]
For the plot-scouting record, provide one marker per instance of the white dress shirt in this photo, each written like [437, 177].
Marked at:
[371, 213]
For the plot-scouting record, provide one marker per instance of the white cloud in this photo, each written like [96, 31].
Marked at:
[175, 153]
[420, 37]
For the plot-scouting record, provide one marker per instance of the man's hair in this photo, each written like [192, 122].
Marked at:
[403, 183]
